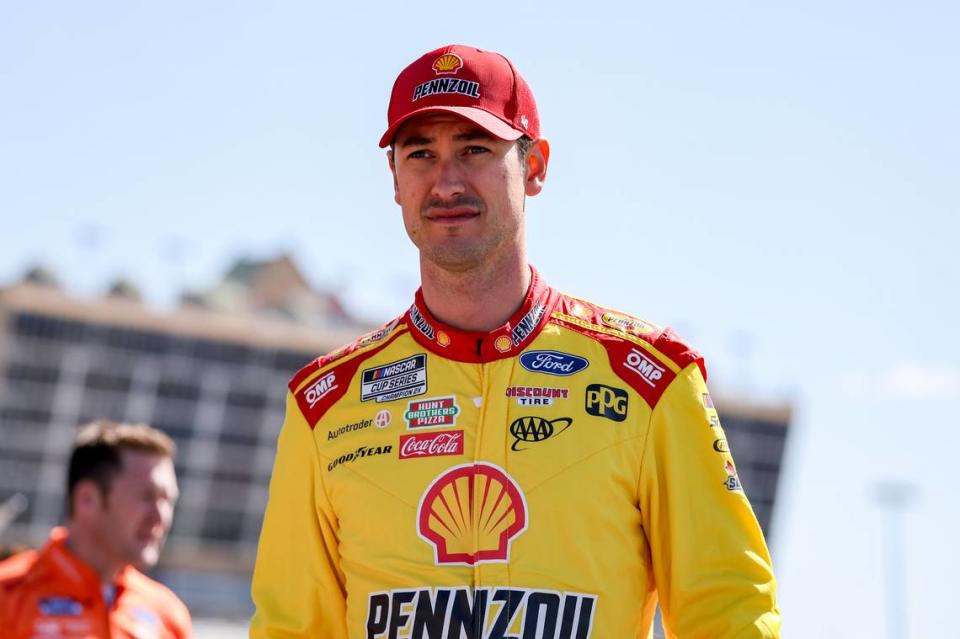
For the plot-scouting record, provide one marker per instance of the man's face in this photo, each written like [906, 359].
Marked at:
[461, 191]
[137, 511]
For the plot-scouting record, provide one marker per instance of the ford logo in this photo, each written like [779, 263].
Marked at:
[552, 362]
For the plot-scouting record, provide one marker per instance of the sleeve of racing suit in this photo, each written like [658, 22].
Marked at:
[297, 583]
[713, 571]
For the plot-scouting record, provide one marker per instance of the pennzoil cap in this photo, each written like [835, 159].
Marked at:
[481, 86]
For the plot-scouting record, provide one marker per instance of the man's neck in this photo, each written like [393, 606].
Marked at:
[83, 544]
[479, 299]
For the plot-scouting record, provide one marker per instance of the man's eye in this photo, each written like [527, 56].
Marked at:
[476, 149]
[422, 153]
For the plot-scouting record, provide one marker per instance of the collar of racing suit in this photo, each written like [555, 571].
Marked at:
[478, 347]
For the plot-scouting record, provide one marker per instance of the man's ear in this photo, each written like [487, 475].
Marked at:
[393, 171]
[537, 159]
[87, 498]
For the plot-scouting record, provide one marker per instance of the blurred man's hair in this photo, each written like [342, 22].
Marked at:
[98, 447]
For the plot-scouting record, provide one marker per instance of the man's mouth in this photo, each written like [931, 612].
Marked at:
[452, 215]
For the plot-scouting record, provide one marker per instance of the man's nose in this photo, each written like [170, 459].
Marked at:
[449, 179]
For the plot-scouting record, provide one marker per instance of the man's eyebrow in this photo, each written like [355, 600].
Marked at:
[414, 140]
[422, 140]
[474, 134]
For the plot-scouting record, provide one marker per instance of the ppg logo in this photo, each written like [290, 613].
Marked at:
[606, 401]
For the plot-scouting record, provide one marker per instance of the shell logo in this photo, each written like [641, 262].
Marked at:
[447, 63]
[471, 514]
[443, 339]
[502, 343]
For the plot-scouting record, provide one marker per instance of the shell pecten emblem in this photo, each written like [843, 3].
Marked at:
[447, 63]
[471, 513]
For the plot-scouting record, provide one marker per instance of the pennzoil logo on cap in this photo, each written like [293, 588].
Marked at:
[470, 514]
[447, 63]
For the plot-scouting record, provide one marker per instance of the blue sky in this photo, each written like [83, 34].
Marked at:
[777, 182]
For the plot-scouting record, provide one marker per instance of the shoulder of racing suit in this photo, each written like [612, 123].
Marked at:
[646, 356]
[321, 383]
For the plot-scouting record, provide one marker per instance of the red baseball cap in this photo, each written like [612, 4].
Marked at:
[481, 86]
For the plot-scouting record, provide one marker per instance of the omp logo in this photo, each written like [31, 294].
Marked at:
[536, 429]
[645, 367]
[552, 362]
[320, 388]
[471, 513]
[606, 401]
[487, 612]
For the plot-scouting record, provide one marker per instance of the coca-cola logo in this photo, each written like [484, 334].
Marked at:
[444, 442]
[553, 362]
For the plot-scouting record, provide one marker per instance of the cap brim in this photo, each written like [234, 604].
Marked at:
[487, 121]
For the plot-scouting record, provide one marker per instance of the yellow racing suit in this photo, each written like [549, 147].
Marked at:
[554, 478]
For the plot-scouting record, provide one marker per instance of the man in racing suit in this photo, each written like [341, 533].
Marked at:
[502, 460]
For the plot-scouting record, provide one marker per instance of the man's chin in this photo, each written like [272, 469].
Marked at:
[147, 558]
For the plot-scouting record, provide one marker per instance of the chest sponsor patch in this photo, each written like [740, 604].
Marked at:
[432, 412]
[488, 612]
[431, 444]
[360, 453]
[606, 401]
[471, 514]
[530, 430]
[553, 362]
[60, 607]
[348, 428]
[536, 395]
[396, 380]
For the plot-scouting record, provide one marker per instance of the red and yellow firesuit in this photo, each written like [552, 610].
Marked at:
[556, 477]
[52, 594]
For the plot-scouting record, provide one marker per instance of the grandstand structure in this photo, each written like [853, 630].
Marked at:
[213, 375]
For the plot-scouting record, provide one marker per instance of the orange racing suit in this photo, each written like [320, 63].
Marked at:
[52, 594]
[554, 478]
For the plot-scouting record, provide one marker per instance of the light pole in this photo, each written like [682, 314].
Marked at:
[894, 498]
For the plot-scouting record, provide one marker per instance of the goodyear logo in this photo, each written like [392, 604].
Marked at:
[396, 380]
[536, 429]
[489, 612]
[471, 514]
[606, 401]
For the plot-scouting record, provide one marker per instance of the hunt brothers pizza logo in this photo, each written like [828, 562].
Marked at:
[444, 442]
[431, 412]
[491, 613]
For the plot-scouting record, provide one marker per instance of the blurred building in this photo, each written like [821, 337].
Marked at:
[213, 375]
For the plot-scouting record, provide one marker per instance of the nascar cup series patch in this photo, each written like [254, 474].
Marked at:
[396, 380]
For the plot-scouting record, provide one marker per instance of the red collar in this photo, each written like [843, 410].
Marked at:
[476, 347]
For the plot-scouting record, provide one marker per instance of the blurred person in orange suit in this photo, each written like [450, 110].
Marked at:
[86, 581]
